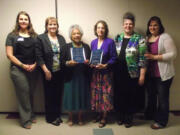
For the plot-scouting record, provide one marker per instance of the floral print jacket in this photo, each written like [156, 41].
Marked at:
[135, 51]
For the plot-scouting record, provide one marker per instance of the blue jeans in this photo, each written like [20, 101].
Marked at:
[158, 100]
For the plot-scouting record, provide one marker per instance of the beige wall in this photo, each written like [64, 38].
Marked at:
[85, 13]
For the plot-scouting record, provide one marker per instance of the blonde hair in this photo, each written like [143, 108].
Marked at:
[47, 22]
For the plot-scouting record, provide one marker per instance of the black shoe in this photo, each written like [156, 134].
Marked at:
[128, 125]
[119, 122]
[60, 120]
[102, 123]
[128, 122]
[97, 119]
[56, 122]
[120, 118]
[157, 126]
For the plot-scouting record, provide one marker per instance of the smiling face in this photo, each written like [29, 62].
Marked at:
[100, 30]
[23, 21]
[76, 36]
[154, 28]
[52, 26]
[128, 26]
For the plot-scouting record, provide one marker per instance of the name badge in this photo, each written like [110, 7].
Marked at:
[20, 39]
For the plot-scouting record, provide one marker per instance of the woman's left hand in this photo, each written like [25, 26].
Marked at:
[149, 56]
[101, 66]
[141, 80]
[32, 67]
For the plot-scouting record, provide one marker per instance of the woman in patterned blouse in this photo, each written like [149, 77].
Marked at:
[48, 52]
[129, 70]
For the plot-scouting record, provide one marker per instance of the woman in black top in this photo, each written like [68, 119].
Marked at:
[20, 50]
[48, 52]
[130, 71]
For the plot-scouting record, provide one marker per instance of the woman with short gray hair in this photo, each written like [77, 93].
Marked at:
[75, 26]
[76, 87]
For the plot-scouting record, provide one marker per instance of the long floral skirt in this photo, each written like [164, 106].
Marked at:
[101, 91]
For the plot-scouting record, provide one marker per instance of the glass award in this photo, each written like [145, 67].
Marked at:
[78, 55]
[96, 57]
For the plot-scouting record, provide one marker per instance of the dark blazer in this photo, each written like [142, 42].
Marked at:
[66, 56]
[44, 52]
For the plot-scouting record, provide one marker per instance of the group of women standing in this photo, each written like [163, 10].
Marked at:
[110, 85]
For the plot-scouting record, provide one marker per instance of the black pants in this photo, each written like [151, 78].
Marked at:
[127, 98]
[158, 100]
[53, 90]
[128, 95]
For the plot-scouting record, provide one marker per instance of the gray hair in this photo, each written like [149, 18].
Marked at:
[75, 26]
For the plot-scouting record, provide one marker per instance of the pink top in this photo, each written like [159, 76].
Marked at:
[153, 64]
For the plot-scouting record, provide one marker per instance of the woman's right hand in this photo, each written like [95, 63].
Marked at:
[71, 63]
[149, 56]
[48, 75]
[87, 62]
[92, 66]
[25, 67]
[32, 67]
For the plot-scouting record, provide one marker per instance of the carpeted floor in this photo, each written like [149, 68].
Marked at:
[11, 126]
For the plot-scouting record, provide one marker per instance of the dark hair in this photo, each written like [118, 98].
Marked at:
[129, 16]
[158, 20]
[105, 26]
[47, 22]
[17, 28]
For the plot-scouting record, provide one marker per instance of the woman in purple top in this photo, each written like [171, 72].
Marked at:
[101, 84]
[162, 52]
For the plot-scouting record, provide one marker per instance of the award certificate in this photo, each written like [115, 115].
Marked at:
[96, 57]
[78, 55]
